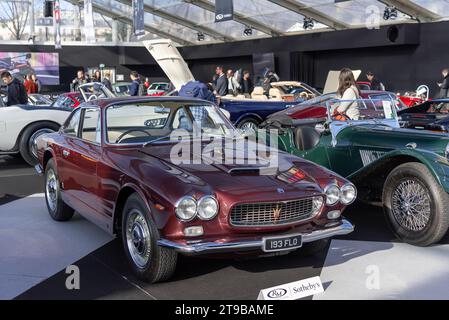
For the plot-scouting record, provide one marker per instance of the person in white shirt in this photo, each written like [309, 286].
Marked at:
[347, 92]
[233, 84]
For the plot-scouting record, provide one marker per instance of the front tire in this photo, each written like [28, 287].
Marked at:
[149, 261]
[57, 209]
[248, 124]
[28, 140]
[415, 205]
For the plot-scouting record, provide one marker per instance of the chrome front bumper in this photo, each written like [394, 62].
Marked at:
[216, 247]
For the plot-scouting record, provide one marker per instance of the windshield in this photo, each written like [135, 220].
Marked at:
[362, 110]
[39, 100]
[150, 122]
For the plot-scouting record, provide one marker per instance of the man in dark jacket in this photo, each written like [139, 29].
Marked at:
[15, 90]
[222, 82]
[135, 88]
[376, 85]
[444, 86]
[247, 84]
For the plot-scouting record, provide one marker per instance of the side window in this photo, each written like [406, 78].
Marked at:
[91, 130]
[72, 126]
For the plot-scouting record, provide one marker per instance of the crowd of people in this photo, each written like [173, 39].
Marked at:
[238, 83]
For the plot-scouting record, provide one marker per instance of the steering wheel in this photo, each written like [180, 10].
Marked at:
[124, 134]
[92, 97]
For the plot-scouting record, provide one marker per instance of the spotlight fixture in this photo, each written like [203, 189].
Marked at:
[248, 31]
[201, 36]
[390, 13]
[308, 23]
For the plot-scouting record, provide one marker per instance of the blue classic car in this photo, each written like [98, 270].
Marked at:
[248, 113]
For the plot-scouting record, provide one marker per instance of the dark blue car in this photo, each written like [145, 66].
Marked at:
[431, 115]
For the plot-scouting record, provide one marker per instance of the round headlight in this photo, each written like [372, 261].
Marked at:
[333, 193]
[207, 208]
[186, 209]
[348, 194]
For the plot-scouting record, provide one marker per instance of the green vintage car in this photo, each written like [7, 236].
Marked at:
[407, 170]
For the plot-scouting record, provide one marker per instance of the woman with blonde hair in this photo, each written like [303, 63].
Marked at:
[347, 92]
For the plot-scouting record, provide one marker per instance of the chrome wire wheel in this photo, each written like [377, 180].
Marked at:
[32, 143]
[52, 189]
[411, 205]
[249, 126]
[138, 238]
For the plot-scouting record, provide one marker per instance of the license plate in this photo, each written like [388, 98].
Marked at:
[282, 243]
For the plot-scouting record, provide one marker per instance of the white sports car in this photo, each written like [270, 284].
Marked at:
[20, 126]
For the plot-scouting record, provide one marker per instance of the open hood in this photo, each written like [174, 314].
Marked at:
[332, 80]
[170, 60]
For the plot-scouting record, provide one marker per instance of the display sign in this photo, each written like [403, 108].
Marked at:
[138, 17]
[44, 65]
[293, 291]
[89, 30]
[57, 23]
[224, 10]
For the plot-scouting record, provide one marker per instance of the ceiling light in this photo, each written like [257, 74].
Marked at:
[248, 31]
[201, 36]
[390, 13]
[308, 23]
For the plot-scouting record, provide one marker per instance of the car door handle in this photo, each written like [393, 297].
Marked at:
[65, 153]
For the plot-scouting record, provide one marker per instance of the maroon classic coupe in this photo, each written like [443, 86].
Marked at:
[116, 163]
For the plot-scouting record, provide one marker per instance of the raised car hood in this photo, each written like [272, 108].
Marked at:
[170, 61]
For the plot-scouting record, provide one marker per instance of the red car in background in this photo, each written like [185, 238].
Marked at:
[316, 108]
[113, 163]
[68, 100]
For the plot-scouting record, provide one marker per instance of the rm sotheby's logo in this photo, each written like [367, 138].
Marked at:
[219, 17]
[277, 293]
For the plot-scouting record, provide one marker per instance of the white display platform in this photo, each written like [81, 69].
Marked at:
[364, 270]
[33, 247]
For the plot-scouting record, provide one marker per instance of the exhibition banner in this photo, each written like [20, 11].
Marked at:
[138, 17]
[224, 10]
[57, 24]
[89, 30]
[44, 64]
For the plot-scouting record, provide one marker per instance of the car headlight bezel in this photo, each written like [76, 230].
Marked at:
[180, 212]
[348, 186]
[332, 191]
[202, 202]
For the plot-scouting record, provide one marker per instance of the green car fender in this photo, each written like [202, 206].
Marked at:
[435, 163]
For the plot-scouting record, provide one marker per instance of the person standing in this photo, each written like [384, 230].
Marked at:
[16, 91]
[37, 82]
[222, 82]
[376, 85]
[233, 84]
[79, 80]
[136, 85]
[30, 85]
[247, 84]
[147, 83]
[347, 92]
[444, 86]
[107, 81]
[97, 76]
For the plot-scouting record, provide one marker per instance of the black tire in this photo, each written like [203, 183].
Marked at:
[160, 263]
[312, 248]
[57, 209]
[25, 143]
[428, 198]
[248, 122]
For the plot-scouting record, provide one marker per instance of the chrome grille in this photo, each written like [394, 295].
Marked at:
[263, 214]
